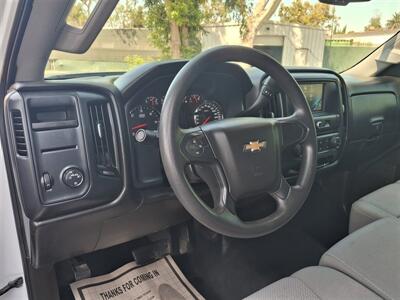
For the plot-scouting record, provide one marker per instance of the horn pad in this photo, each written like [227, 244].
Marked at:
[248, 150]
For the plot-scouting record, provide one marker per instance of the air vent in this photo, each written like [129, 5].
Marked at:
[19, 133]
[102, 131]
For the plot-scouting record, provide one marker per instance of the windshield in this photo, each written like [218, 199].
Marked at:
[295, 32]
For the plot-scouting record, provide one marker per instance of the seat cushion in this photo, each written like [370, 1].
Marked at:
[371, 256]
[315, 283]
[382, 203]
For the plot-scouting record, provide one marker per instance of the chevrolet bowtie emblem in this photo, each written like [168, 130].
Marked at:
[255, 146]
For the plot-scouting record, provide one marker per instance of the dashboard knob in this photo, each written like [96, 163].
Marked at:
[73, 177]
[140, 135]
[47, 181]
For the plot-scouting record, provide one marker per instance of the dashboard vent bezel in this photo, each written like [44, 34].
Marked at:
[19, 133]
[103, 133]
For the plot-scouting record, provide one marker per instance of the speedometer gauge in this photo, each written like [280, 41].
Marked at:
[144, 117]
[207, 112]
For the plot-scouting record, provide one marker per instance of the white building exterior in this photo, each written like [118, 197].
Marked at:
[298, 45]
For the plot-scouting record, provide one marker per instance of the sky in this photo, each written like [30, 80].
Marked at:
[357, 15]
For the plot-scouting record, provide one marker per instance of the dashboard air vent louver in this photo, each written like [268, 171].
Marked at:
[102, 131]
[19, 133]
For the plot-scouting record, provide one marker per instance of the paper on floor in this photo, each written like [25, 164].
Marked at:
[161, 280]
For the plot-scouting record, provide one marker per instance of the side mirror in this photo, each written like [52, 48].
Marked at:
[341, 2]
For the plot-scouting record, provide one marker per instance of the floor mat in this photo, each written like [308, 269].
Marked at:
[232, 269]
[161, 279]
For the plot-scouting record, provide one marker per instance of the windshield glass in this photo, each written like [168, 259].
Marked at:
[295, 32]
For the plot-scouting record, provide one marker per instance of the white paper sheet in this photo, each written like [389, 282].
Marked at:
[160, 280]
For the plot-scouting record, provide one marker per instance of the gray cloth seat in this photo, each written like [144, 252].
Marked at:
[371, 256]
[379, 204]
[315, 283]
[364, 265]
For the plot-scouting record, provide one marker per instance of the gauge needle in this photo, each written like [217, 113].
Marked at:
[143, 125]
[206, 120]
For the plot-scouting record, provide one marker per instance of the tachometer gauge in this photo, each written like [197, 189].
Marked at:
[207, 112]
[144, 117]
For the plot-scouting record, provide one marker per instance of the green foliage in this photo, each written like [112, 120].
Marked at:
[80, 12]
[222, 11]
[188, 15]
[77, 16]
[127, 15]
[394, 22]
[158, 24]
[338, 30]
[134, 60]
[305, 13]
[239, 11]
[215, 12]
[374, 24]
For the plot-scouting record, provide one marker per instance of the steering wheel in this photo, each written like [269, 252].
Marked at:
[237, 157]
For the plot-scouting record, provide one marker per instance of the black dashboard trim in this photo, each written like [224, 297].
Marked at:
[71, 209]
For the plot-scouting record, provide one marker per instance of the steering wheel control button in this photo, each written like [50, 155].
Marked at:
[73, 177]
[47, 181]
[196, 146]
[267, 92]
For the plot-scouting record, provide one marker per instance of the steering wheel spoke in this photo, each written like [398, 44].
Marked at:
[283, 191]
[293, 131]
[213, 176]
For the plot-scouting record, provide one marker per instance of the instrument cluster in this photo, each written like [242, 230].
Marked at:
[196, 110]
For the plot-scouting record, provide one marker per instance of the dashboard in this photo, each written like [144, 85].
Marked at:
[220, 94]
[216, 95]
[89, 173]
[326, 95]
